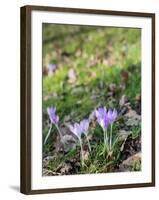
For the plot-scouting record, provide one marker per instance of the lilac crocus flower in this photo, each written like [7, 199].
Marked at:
[51, 68]
[54, 118]
[103, 122]
[84, 124]
[52, 115]
[76, 129]
[101, 112]
[102, 118]
[112, 115]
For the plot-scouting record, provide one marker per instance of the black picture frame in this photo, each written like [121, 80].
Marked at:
[26, 85]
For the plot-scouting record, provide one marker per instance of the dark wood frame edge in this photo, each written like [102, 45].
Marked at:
[25, 89]
[25, 146]
[153, 31]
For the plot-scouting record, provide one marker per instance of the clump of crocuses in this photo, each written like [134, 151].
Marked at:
[105, 119]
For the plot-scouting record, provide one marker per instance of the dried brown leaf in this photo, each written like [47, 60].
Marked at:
[72, 77]
[123, 134]
[132, 118]
[66, 168]
[129, 162]
[68, 142]
[123, 100]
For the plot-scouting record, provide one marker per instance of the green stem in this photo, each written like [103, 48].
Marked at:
[105, 138]
[110, 142]
[82, 154]
[61, 136]
[48, 134]
[114, 143]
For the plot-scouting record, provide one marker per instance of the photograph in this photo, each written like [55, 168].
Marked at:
[88, 99]
[91, 99]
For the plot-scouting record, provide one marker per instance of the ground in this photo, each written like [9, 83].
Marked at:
[94, 66]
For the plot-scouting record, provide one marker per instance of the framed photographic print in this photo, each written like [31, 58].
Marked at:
[87, 99]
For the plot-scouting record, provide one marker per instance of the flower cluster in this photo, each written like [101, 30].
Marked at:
[105, 119]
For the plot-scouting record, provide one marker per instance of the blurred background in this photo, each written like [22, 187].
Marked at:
[85, 67]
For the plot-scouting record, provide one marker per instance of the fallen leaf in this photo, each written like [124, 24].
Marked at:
[132, 114]
[65, 130]
[46, 160]
[122, 111]
[79, 53]
[112, 87]
[66, 168]
[132, 122]
[108, 58]
[86, 155]
[93, 74]
[122, 86]
[68, 142]
[45, 71]
[46, 172]
[124, 76]
[67, 118]
[123, 144]
[72, 77]
[130, 147]
[123, 100]
[123, 134]
[130, 162]
[138, 97]
[94, 60]
[132, 118]
[49, 96]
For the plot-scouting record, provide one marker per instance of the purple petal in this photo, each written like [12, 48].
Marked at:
[103, 122]
[115, 114]
[112, 115]
[101, 112]
[51, 67]
[109, 114]
[51, 110]
[52, 115]
[56, 119]
[76, 129]
[84, 125]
